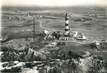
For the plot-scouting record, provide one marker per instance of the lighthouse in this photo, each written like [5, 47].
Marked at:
[67, 28]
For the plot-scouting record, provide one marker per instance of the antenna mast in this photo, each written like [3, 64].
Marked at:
[33, 28]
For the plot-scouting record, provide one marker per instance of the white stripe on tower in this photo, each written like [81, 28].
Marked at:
[67, 21]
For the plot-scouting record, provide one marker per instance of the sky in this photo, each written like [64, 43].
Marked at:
[53, 2]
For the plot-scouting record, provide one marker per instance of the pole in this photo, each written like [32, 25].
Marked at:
[33, 28]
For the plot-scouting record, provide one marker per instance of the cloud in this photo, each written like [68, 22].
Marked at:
[53, 2]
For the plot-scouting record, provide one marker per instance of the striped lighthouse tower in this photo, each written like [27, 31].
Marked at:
[67, 28]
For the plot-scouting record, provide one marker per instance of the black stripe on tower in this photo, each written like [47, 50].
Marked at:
[66, 29]
[66, 18]
[66, 24]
